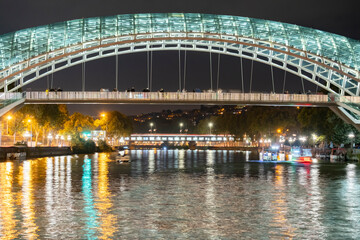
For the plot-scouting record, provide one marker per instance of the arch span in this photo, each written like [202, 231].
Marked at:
[30, 54]
[328, 60]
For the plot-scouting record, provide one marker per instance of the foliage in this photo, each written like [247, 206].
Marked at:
[116, 124]
[80, 145]
[78, 123]
[324, 122]
[103, 146]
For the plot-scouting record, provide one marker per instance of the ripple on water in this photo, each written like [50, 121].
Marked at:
[177, 194]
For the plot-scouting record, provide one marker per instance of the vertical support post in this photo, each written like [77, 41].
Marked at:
[211, 81]
[251, 73]
[185, 69]
[284, 82]
[218, 73]
[83, 76]
[179, 70]
[148, 70]
[242, 75]
[272, 78]
[151, 70]
[117, 71]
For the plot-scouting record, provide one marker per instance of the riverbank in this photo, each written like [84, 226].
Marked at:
[13, 153]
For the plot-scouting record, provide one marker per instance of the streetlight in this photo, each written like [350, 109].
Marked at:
[29, 121]
[9, 117]
[103, 115]
[351, 136]
[151, 127]
[210, 126]
[181, 125]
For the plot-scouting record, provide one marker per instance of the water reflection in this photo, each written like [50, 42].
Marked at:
[30, 228]
[177, 194]
[104, 204]
[8, 221]
[89, 208]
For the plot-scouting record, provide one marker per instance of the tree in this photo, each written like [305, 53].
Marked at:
[324, 122]
[117, 125]
[17, 124]
[44, 118]
[203, 126]
[78, 123]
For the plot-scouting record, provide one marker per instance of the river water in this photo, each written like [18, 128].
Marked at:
[178, 194]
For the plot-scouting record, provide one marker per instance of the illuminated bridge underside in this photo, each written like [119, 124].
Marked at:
[178, 98]
[325, 59]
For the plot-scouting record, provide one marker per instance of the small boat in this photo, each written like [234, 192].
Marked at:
[302, 155]
[122, 157]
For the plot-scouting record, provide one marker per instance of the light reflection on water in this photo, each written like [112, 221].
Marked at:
[177, 194]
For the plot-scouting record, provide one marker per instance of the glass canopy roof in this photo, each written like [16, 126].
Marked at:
[27, 43]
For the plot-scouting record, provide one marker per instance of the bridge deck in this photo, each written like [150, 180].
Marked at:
[190, 98]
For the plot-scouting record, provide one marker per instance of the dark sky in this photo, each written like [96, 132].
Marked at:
[339, 17]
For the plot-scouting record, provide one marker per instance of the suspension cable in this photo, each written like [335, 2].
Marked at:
[52, 79]
[302, 83]
[185, 69]
[179, 70]
[218, 73]
[83, 76]
[251, 73]
[272, 78]
[151, 69]
[117, 72]
[284, 82]
[211, 84]
[242, 75]
[47, 80]
[147, 64]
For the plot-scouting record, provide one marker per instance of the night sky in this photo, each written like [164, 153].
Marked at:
[339, 17]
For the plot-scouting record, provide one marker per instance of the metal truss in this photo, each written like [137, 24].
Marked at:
[328, 74]
[325, 73]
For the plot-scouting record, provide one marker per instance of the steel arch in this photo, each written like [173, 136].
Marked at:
[306, 52]
[302, 63]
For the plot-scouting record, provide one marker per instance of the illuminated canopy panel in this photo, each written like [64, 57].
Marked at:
[328, 60]
[21, 45]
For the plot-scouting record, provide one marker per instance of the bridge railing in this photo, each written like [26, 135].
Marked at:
[177, 96]
[9, 98]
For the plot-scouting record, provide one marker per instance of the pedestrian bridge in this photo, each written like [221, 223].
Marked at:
[181, 98]
[343, 106]
[327, 60]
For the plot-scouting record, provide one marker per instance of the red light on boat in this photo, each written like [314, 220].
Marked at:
[304, 159]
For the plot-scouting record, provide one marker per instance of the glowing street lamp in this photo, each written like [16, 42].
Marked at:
[351, 136]
[103, 115]
[151, 127]
[314, 136]
[210, 126]
[181, 125]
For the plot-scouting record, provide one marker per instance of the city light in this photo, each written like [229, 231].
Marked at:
[181, 125]
[351, 135]
[314, 136]
[9, 117]
[210, 126]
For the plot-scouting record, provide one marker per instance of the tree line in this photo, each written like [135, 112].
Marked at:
[51, 120]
